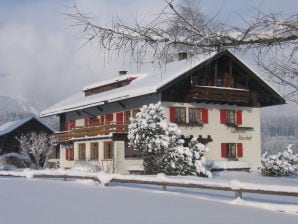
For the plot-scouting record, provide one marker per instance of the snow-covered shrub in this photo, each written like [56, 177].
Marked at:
[279, 164]
[159, 144]
[35, 149]
[12, 160]
[189, 160]
[85, 166]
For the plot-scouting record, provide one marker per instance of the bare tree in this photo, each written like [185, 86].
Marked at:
[185, 27]
[35, 149]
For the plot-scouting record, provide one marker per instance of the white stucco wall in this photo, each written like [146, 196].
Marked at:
[118, 164]
[220, 133]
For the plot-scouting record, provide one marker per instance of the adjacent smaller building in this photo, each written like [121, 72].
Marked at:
[9, 132]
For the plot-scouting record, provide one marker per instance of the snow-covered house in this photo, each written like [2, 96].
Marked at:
[10, 131]
[214, 97]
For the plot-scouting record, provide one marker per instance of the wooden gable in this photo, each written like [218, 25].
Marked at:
[223, 79]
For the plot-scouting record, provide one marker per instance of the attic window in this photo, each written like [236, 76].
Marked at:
[110, 86]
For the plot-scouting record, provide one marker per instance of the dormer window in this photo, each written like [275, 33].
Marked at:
[108, 86]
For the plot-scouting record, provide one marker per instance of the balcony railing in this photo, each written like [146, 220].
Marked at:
[91, 131]
[218, 94]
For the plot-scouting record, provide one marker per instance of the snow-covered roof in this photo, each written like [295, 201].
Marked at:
[10, 126]
[145, 83]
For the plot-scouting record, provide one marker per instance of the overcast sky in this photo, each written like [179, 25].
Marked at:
[40, 55]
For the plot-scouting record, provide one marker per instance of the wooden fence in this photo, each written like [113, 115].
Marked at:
[164, 184]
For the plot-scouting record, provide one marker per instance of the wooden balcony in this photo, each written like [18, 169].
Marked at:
[91, 131]
[218, 95]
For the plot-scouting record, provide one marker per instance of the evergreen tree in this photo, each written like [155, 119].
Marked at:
[160, 146]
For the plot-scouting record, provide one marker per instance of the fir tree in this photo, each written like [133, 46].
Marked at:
[160, 145]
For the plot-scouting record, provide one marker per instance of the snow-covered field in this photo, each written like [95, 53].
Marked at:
[55, 201]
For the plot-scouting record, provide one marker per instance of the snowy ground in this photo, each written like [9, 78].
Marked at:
[54, 201]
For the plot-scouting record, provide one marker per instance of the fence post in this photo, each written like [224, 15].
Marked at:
[238, 194]
[164, 187]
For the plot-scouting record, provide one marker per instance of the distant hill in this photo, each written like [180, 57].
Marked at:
[8, 104]
[11, 110]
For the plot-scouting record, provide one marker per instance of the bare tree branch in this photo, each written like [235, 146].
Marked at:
[184, 28]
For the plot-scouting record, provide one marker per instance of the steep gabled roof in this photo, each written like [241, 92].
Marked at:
[145, 83]
[13, 125]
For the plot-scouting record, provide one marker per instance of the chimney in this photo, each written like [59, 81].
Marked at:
[182, 56]
[123, 72]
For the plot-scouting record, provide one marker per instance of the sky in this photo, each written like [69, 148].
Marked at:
[41, 58]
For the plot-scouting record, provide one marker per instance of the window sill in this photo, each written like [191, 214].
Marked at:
[133, 158]
[232, 159]
[191, 124]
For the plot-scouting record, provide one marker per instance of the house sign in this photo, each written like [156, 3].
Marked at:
[241, 137]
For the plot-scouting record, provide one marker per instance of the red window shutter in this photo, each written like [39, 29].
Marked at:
[205, 116]
[102, 119]
[239, 150]
[72, 154]
[239, 117]
[86, 122]
[71, 124]
[66, 154]
[119, 118]
[224, 151]
[110, 117]
[172, 114]
[223, 116]
[66, 126]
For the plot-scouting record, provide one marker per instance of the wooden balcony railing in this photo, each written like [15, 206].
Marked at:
[217, 94]
[82, 132]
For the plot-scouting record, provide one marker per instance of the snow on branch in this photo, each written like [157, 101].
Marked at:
[263, 30]
[185, 28]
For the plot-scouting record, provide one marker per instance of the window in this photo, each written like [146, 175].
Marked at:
[195, 115]
[86, 122]
[109, 118]
[82, 151]
[102, 119]
[127, 115]
[94, 121]
[198, 115]
[231, 150]
[108, 150]
[178, 115]
[69, 125]
[119, 117]
[230, 116]
[131, 153]
[134, 112]
[94, 151]
[69, 153]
